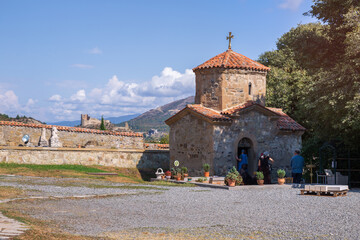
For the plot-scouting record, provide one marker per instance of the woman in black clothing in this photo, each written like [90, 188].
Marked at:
[264, 166]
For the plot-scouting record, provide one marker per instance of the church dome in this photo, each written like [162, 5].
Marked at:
[231, 59]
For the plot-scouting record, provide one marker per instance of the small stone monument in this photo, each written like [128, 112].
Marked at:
[54, 139]
[42, 141]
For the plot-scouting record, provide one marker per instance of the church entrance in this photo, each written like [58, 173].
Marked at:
[246, 145]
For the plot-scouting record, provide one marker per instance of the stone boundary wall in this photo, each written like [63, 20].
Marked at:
[73, 137]
[122, 158]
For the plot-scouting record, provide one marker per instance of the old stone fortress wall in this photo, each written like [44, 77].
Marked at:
[70, 137]
[73, 145]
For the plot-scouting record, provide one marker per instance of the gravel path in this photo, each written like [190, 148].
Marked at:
[264, 212]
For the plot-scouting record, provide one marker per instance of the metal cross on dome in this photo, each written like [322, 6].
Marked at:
[229, 38]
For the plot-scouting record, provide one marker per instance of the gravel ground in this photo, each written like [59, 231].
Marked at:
[262, 212]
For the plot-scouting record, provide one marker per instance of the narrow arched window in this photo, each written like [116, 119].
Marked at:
[249, 88]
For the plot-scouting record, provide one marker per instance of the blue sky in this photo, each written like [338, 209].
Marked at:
[61, 58]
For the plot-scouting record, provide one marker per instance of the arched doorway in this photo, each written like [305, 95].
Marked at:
[247, 145]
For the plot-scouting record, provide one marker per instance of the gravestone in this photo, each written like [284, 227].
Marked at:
[54, 139]
[42, 141]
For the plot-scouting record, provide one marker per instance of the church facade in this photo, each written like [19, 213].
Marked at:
[229, 115]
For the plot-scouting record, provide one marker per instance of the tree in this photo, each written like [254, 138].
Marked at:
[315, 73]
[289, 80]
[102, 125]
[164, 139]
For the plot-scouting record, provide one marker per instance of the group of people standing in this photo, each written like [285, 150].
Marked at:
[264, 165]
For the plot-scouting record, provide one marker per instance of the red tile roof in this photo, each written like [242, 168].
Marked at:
[239, 107]
[156, 146]
[285, 122]
[209, 113]
[231, 59]
[71, 129]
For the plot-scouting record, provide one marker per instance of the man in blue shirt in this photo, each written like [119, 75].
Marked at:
[297, 164]
[243, 161]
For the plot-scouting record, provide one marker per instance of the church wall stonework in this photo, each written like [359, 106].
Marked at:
[264, 135]
[208, 88]
[220, 89]
[236, 87]
[252, 125]
[191, 144]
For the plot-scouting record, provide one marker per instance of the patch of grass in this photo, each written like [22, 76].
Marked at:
[125, 175]
[36, 167]
[10, 192]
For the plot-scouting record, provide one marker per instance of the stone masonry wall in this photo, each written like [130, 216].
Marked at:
[220, 89]
[264, 135]
[72, 137]
[191, 143]
[208, 88]
[236, 87]
[141, 159]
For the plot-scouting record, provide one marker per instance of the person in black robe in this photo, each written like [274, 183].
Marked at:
[264, 166]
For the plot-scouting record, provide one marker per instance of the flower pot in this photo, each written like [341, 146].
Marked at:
[186, 175]
[281, 181]
[206, 174]
[231, 183]
[178, 177]
[168, 177]
[260, 182]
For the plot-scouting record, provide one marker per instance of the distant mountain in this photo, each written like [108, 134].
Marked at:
[155, 118]
[113, 120]
[116, 120]
[23, 119]
[66, 123]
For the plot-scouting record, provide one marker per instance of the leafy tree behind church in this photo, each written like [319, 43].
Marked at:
[315, 74]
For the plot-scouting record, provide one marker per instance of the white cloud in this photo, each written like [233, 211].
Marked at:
[118, 98]
[30, 102]
[79, 96]
[95, 50]
[82, 66]
[9, 102]
[55, 98]
[29, 105]
[291, 4]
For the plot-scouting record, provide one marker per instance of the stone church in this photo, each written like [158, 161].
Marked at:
[230, 115]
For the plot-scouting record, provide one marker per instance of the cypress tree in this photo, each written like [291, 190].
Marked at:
[102, 125]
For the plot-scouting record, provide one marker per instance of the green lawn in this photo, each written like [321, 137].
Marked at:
[35, 167]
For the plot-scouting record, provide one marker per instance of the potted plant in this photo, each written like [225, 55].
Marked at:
[260, 178]
[176, 173]
[281, 176]
[184, 172]
[233, 178]
[168, 174]
[206, 168]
